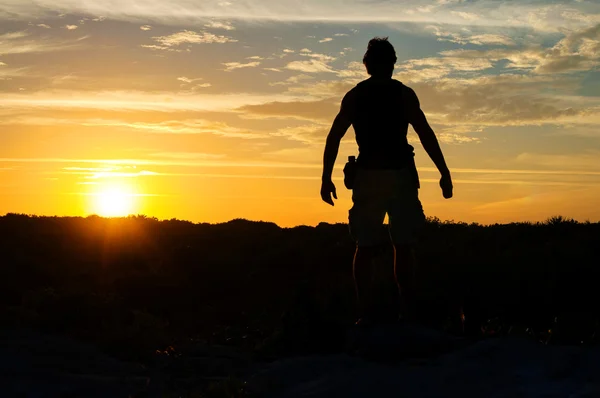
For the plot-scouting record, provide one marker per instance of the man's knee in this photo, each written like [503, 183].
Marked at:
[371, 250]
[405, 248]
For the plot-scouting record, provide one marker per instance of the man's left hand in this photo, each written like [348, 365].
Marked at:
[328, 189]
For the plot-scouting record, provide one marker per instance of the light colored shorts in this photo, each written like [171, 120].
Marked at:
[380, 192]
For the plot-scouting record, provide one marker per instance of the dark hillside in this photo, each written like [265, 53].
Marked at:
[137, 284]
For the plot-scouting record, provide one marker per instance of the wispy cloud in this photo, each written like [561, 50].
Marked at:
[310, 66]
[319, 63]
[22, 42]
[43, 25]
[469, 16]
[308, 134]
[320, 111]
[220, 25]
[530, 13]
[292, 80]
[71, 27]
[188, 37]
[146, 27]
[191, 84]
[189, 80]
[325, 40]
[187, 126]
[466, 37]
[229, 66]
[132, 100]
[187, 155]
[118, 164]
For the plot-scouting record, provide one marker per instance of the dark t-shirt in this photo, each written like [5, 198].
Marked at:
[378, 113]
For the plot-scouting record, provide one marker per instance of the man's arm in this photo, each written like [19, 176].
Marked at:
[417, 119]
[340, 125]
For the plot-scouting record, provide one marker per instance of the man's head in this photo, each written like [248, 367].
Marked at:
[380, 57]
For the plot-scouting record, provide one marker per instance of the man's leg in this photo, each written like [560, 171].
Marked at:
[404, 273]
[363, 276]
[366, 220]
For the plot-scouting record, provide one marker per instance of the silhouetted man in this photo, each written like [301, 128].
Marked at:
[386, 181]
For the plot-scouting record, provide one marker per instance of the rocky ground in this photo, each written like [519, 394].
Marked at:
[405, 361]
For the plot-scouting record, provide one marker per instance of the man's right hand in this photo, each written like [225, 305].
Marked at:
[446, 185]
[328, 189]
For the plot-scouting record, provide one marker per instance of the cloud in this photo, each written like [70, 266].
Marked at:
[310, 66]
[21, 42]
[292, 80]
[71, 27]
[220, 25]
[146, 27]
[323, 89]
[288, 51]
[528, 13]
[320, 57]
[229, 66]
[157, 47]
[325, 40]
[307, 134]
[7, 73]
[113, 174]
[188, 80]
[272, 69]
[579, 50]
[187, 155]
[257, 57]
[186, 126]
[121, 100]
[469, 16]
[449, 63]
[189, 37]
[354, 72]
[505, 100]
[341, 34]
[321, 110]
[449, 138]
[584, 161]
[43, 25]
[467, 37]
[319, 63]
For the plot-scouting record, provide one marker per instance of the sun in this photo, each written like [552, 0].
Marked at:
[114, 201]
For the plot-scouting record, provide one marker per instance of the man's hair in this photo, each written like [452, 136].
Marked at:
[380, 57]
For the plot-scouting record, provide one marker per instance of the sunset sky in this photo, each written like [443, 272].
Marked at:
[209, 110]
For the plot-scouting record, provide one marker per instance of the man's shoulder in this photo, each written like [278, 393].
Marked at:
[407, 92]
[352, 93]
[402, 86]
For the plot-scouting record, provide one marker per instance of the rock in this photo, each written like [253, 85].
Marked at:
[37, 365]
[400, 341]
[500, 367]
